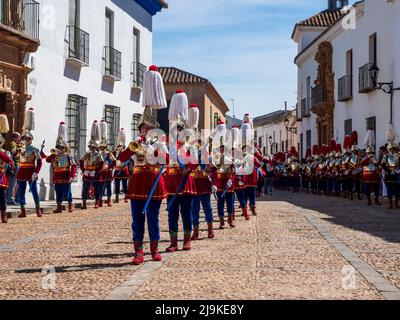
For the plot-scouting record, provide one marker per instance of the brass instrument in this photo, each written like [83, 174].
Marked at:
[54, 151]
[135, 147]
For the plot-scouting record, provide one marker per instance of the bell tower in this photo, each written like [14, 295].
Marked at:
[337, 4]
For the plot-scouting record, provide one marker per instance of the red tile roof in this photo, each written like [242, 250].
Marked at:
[172, 75]
[323, 19]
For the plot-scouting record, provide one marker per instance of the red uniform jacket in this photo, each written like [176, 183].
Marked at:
[220, 180]
[4, 161]
[64, 168]
[30, 163]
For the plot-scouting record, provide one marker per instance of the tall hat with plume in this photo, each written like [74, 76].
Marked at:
[179, 108]
[390, 136]
[248, 119]
[148, 119]
[369, 141]
[347, 144]
[315, 151]
[220, 133]
[94, 134]
[153, 90]
[29, 123]
[338, 150]
[332, 146]
[193, 117]
[4, 128]
[294, 153]
[103, 134]
[308, 153]
[121, 140]
[62, 136]
[236, 137]
[247, 130]
[354, 141]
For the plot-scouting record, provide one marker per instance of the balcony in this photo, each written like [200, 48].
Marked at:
[365, 83]
[112, 64]
[306, 108]
[318, 96]
[137, 74]
[345, 88]
[21, 18]
[78, 46]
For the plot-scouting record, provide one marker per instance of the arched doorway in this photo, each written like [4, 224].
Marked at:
[323, 99]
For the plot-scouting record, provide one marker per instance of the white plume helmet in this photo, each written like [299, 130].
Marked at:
[62, 135]
[390, 134]
[29, 122]
[193, 117]
[247, 131]
[4, 124]
[369, 140]
[95, 131]
[153, 90]
[179, 106]
[103, 130]
[220, 132]
[248, 119]
[121, 140]
[236, 136]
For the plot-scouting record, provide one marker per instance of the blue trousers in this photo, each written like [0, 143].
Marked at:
[183, 205]
[118, 183]
[241, 196]
[98, 188]
[229, 199]
[251, 196]
[139, 219]
[12, 181]
[3, 206]
[205, 201]
[107, 188]
[63, 191]
[393, 190]
[22, 190]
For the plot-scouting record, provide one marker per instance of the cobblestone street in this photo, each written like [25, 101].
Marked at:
[296, 248]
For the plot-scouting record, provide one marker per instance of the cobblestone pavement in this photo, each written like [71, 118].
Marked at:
[296, 248]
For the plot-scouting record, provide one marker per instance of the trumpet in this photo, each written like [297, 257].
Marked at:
[54, 151]
[135, 147]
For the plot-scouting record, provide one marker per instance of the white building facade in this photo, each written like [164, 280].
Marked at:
[271, 132]
[336, 93]
[89, 66]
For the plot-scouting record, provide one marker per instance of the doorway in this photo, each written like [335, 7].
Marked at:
[3, 101]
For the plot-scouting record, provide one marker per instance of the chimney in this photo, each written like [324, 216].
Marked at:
[337, 4]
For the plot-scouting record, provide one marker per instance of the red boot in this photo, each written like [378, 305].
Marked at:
[4, 217]
[96, 204]
[109, 204]
[116, 198]
[59, 208]
[70, 207]
[253, 210]
[155, 254]
[84, 205]
[23, 213]
[174, 242]
[246, 214]
[195, 235]
[100, 203]
[230, 221]
[139, 253]
[39, 212]
[186, 241]
[221, 223]
[211, 231]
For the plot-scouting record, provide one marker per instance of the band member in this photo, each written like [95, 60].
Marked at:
[308, 171]
[29, 167]
[64, 169]
[370, 166]
[14, 148]
[314, 176]
[147, 184]
[180, 183]
[121, 172]
[390, 163]
[354, 166]
[91, 165]
[6, 164]
[336, 178]
[345, 173]
[105, 178]
[294, 169]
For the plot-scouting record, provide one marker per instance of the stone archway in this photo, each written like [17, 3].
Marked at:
[324, 94]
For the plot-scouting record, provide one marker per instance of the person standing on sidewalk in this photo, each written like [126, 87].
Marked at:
[91, 164]
[14, 148]
[269, 176]
[121, 172]
[6, 164]
[64, 169]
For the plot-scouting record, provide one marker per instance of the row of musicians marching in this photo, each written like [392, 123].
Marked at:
[331, 172]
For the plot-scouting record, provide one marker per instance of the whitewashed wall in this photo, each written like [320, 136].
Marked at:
[53, 79]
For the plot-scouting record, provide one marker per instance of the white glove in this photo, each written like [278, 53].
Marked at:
[92, 173]
[34, 176]
[214, 189]
[86, 173]
[71, 180]
[241, 183]
[229, 183]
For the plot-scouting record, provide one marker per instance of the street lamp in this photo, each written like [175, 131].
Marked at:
[290, 129]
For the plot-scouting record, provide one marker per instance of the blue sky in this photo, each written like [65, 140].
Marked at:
[243, 46]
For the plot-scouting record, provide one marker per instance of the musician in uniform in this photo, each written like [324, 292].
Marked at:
[122, 171]
[91, 164]
[354, 166]
[14, 148]
[146, 187]
[6, 164]
[64, 169]
[29, 167]
[390, 164]
[336, 178]
[295, 170]
[345, 173]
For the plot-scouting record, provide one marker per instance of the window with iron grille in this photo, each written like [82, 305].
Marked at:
[112, 117]
[301, 145]
[348, 127]
[75, 115]
[135, 124]
[371, 124]
[308, 138]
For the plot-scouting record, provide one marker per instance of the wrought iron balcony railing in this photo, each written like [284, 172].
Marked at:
[78, 45]
[318, 95]
[137, 74]
[112, 63]
[345, 88]
[306, 108]
[365, 82]
[22, 16]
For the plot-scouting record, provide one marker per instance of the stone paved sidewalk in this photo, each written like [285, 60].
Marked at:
[295, 248]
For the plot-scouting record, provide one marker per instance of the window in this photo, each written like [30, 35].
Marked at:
[109, 32]
[301, 146]
[136, 45]
[371, 124]
[308, 138]
[138, 69]
[112, 117]
[348, 127]
[75, 115]
[73, 17]
[216, 118]
[373, 48]
[135, 124]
